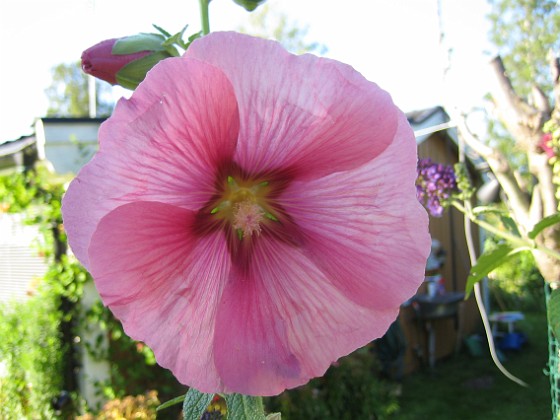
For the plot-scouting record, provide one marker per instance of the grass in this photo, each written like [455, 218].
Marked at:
[465, 387]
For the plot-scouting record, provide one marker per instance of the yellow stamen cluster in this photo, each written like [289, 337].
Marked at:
[244, 205]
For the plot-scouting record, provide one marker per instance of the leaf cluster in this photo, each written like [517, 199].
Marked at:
[525, 31]
[31, 355]
[133, 366]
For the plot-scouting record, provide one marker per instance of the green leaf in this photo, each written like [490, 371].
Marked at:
[274, 416]
[488, 261]
[171, 402]
[195, 404]
[543, 224]
[553, 312]
[504, 216]
[243, 407]
[510, 224]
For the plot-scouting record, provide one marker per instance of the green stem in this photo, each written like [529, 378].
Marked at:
[204, 17]
[514, 239]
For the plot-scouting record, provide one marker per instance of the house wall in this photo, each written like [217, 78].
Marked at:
[20, 263]
[66, 146]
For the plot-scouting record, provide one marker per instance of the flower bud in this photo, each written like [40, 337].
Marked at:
[125, 61]
[249, 5]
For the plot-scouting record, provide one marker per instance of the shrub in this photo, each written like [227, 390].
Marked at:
[30, 351]
[516, 284]
[351, 389]
[141, 407]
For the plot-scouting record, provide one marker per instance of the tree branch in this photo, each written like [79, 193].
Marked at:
[540, 100]
[554, 63]
[539, 167]
[522, 120]
[499, 165]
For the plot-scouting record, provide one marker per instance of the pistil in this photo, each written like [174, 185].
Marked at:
[247, 217]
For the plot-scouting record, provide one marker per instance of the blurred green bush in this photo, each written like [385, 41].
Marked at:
[30, 354]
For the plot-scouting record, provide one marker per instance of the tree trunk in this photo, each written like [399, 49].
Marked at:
[525, 124]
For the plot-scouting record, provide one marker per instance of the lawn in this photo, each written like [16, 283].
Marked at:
[465, 387]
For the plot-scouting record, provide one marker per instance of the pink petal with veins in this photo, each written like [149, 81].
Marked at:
[164, 144]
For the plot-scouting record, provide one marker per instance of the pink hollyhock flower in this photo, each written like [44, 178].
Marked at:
[251, 215]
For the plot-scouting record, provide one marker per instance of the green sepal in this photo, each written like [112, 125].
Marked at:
[488, 261]
[249, 5]
[171, 40]
[161, 30]
[194, 36]
[137, 43]
[177, 38]
[171, 402]
[244, 407]
[195, 404]
[553, 312]
[134, 72]
[543, 224]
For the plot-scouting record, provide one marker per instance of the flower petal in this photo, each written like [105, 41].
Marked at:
[365, 228]
[313, 115]
[282, 322]
[164, 144]
[164, 284]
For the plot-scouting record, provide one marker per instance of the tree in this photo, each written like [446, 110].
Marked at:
[525, 31]
[524, 117]
[69, 94]
[525, 95]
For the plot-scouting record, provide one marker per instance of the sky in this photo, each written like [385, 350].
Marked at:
[394, 43]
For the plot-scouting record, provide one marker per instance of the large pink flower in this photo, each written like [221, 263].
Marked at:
[251, 215]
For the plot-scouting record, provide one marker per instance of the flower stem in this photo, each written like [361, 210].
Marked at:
[466, 209]
[514, 239]
[204, 18]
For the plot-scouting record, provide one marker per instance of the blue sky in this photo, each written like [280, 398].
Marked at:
[393, 43]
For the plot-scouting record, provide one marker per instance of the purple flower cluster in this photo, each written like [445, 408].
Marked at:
[434, 185]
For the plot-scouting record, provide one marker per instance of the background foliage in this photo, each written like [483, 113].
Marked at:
[524, 32]
[31, 353]
[39, 338]
[68, 93]
[351, 389]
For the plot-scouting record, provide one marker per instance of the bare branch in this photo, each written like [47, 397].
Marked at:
[539, 167]
[522, 120]
[540, 100]
[499, 165]
[554, 63]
